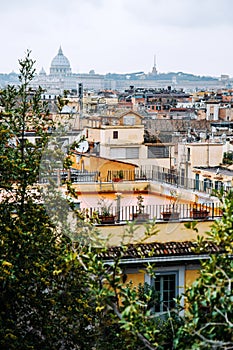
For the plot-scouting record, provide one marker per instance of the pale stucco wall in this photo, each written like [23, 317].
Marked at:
[126, 135]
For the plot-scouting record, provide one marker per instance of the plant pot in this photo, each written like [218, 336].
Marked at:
[141, 217]
[199, 214]
[116, 179]
[170, 215]
[107, 220]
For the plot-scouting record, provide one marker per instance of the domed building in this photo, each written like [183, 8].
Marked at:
[60, 65]
[61, 77]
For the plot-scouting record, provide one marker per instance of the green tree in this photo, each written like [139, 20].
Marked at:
[208, 322]
[56, 291]
[44, 294]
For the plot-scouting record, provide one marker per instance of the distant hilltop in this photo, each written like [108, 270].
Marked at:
[159, 76]
[134, 75]
[116, 81]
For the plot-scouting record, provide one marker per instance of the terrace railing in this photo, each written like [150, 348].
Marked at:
[158, 174]
[60, 176]
[167, 212]
[165, 175]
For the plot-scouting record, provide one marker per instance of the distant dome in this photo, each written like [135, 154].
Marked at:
[60, 65]
[42, 71]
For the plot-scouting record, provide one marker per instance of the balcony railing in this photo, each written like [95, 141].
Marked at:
[158, 174]
[160, 213]
[165, 175]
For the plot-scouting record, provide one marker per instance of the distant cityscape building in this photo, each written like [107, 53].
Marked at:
[62, 78]
[60, 65]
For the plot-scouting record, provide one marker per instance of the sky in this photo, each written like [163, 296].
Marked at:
[120, 36]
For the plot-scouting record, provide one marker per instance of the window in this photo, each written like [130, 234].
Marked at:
[117, 153]
[132, 152]
[207, 185]
[218, 185]
[158, 152]
[197, 182]
[165, 287]
[182, 177]
[115, 134]
[123, 153]
[168, 282]
[188, 154]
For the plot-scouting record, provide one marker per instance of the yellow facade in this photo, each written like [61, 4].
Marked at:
[167, 232]
[187, 270]
[190, 277]
[136, 278]
[139, 277]
[101, 165]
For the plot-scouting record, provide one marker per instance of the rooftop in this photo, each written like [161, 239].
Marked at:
[158, 249]
[217, 170]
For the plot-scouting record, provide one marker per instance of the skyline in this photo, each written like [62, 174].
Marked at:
[120, 36]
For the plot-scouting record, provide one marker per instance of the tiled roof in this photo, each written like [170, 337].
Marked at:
[158, 249]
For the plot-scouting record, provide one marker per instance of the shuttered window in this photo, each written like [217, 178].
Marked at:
[158, 152]
[118, 153]
[132, 152]
[124, 153]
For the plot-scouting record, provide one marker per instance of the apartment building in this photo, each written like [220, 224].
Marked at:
[122, 138]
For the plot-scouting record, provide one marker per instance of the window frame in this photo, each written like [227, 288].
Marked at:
[115, 135]
[160, 277]
[124, 153]
[180, 281]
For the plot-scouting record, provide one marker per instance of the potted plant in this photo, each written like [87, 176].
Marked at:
[105, 214]
[119, 176]
[140, 215]
[199, 212]
[170, 211]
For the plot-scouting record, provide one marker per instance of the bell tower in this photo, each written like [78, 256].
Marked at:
[154, 70]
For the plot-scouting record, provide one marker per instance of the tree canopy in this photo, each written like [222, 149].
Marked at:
[56, 292]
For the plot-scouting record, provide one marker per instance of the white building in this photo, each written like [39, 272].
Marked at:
[122, 138]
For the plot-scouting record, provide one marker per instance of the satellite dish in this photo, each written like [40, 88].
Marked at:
[83, 147]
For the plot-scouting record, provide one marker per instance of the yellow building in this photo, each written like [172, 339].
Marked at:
[107, 169]
[176, 263]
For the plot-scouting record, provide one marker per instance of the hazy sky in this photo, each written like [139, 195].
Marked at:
[120, 36]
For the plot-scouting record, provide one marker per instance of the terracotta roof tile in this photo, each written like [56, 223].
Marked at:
[157, 249]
